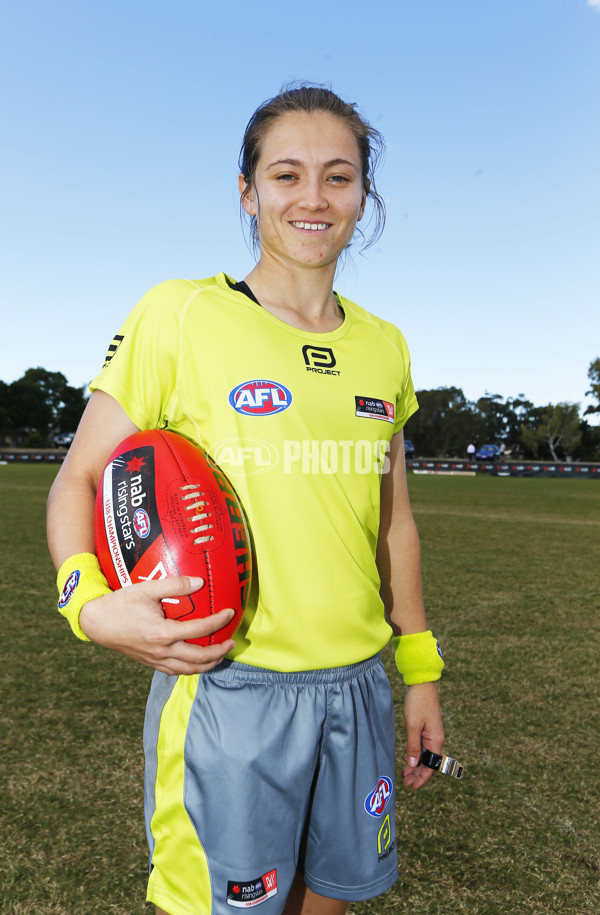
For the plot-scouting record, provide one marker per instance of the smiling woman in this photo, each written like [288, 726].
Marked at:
[311, 100]
[302, 395]
[307, 203]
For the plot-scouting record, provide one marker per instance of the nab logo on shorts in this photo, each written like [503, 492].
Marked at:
[245, 894]
[377, 800]
[260, 398]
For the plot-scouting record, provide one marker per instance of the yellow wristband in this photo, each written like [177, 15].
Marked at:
[418, 657]
[79, 580]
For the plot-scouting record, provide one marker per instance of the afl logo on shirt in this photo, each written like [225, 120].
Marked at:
[260, 398]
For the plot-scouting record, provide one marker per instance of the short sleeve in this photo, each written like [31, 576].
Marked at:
[406, 403]
[140, 368]
[406, 400]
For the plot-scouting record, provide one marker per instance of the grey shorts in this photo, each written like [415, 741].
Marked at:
[252, 775]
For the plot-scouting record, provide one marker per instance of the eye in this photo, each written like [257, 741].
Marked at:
[285, 177]
[339, 179]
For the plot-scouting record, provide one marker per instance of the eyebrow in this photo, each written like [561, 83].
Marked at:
[296, 163]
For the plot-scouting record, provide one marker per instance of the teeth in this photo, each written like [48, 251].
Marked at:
[313, 226]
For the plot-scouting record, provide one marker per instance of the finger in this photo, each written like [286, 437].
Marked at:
[177, 664]
[197, 628]
[415, 774]
[202, 654]
[173, 586]
[176, 668]
[193, 662]
[414, 741]
[417, 777]
[413, 749]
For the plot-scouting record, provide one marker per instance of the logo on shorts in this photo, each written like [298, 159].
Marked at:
[373, 408]
[385, 845]
[245, 893]
[378, 799]
[260, 398]
[70, 585]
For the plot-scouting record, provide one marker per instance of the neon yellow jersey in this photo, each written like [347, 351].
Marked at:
[301, 423]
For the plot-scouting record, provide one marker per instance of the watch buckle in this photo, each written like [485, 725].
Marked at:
[451, 767]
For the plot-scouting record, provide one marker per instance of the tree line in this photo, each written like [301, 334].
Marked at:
[37, 406]
[41, 404]
[447, 422]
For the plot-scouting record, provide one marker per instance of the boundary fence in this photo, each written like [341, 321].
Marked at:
[564, 471]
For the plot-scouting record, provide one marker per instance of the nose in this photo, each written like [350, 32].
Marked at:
[312, 196]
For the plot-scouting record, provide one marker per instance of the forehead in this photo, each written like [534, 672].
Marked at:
[318, 136]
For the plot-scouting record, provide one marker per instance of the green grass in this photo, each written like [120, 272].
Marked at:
[511, 582]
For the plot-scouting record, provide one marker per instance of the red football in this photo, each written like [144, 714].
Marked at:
[163, 509]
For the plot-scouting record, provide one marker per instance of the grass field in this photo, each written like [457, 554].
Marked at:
[511, 581]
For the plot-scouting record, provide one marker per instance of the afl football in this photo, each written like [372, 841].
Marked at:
[163, 508]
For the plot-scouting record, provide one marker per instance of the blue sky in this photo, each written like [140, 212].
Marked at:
[119, 139]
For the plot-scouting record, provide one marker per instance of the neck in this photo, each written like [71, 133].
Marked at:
[302, 297]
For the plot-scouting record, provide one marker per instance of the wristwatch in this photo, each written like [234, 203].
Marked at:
[440, 763]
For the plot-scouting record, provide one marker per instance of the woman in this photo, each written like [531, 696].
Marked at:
[270, 759]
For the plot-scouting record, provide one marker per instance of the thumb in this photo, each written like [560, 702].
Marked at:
[413, 747]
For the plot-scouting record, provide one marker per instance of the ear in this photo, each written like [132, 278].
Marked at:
[361, 210]
[248, 196]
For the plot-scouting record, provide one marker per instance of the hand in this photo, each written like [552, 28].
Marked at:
[424, 728]
[132, 621]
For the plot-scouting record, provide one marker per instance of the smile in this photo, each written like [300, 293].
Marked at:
[313, 226]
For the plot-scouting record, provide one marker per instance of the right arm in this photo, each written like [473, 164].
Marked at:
[129, 620]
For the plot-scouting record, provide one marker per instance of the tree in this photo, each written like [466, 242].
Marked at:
[39, 404]
[589, 449]
[29, 413]
[4, 402]
[493, 417]
[73, 405]
[444, 424]
[594, 376]
[502, 420]
[559, 426]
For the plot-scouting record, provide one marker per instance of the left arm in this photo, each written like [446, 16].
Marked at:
[399, 564]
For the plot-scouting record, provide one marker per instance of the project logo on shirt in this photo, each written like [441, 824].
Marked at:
[319, 359]
[260, 398]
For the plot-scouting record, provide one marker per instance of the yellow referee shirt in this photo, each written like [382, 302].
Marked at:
[301, 423]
